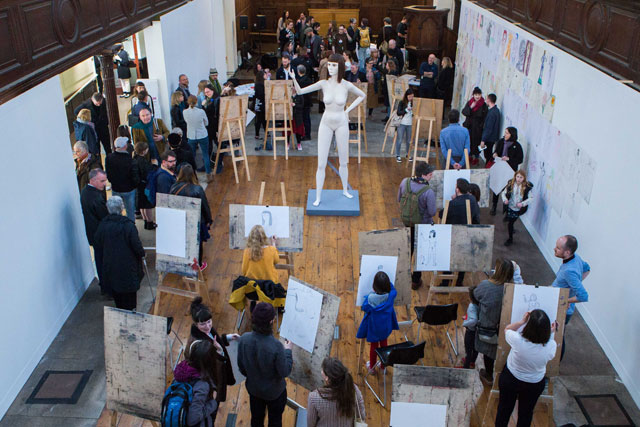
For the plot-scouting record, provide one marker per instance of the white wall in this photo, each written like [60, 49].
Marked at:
[45, 260]
[188, 40]
[600, 115]
[447, 4]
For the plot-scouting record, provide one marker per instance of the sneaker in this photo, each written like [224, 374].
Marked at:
[398, 159]
[203, 266]
[509, 242]
[299, 147]
[411, 158]
[258, 147]
[486, 380]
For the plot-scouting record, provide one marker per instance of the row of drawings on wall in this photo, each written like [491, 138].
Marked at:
[522, 74]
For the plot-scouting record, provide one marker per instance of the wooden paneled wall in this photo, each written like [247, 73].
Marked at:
[603, 32]
[41, 38]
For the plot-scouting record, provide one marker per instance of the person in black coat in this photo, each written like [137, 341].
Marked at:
[123, 175]
[187, 185]
[395, 53]
[491, 130]
[354, 74]
[211, 107]
[509, 150]
[183, 156]
[202, 329]
[304, 80]
[259, 107]
[99, 117]
[444, 87]
[475, 112]
[144, 168]
[121, 59]
[84, 130]
[122, 254]
[94, 208]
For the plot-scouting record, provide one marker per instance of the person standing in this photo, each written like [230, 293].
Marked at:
[152, 131]
[286, 35]
[444, 87]
[417, 186]
[283, 72]
[508, 149]
[455, 138]
[304, 80]
[165, 177]
[183, 86]
[99, 118]
[363, 37]
[259, 108]
[122, 254]
[122, 172]
[516, 197]
[178, 105]
[197, 135]
[489, 295]
[491, 129]
[338, 402]
[428, 74]
[570, 275]
[475, 112]
[340, 40]
[84, 130]
[352, 43]
[121, 59]
[265, 362]
[522, 379]
[401, 31]
[85, 162]
[386, 34]
[313, 47]
[405, 112]
[141, 150]
[94, 208]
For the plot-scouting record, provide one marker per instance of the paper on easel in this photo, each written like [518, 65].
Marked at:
[171, 234]
[527, 298]
[274, 220]
[301, 315]
[434, 247]
[369, 267]
[405, 414]
[250, 116]
[449, 182]
[499, 175]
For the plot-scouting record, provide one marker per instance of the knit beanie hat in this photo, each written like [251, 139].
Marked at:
[263, 313]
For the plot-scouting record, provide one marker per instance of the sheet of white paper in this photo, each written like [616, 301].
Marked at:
[499, 175]
[301, 315]
[171, 234]
[232, 349]
[528, 298]
[434, 247]
[369, 266]
[449, 182]
[274, 220]
[404, 414]
[250, 116]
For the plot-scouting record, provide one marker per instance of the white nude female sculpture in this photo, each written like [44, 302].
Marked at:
[335, 120]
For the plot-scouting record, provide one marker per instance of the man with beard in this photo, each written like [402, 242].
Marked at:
[166, 177]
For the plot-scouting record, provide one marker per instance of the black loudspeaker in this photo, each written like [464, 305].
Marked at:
[244, 22]
[262, 22]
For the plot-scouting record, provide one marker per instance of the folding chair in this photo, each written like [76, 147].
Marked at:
[170, 345]
[436, 315]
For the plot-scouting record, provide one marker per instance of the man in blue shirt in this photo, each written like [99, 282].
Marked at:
[428, 74]
[456, 138]
[570, 275]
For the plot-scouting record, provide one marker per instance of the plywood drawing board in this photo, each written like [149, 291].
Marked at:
[237, 239]
[233, 109]
[353, 114]
[135, 384]
[393, 242]
[428, 107]
[478, 176]
[279, 94]
[439, 386]
[305, 366]
[471, 247]
[301, 315]
[174, 264]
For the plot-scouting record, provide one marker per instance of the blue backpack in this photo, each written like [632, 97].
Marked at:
[175, 404]
[152, 185]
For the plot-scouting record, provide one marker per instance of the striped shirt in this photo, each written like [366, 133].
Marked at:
[324, 413]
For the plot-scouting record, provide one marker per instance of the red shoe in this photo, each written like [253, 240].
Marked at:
[474, 161]
[203, 266]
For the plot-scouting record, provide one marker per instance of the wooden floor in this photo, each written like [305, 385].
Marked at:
[329, 261]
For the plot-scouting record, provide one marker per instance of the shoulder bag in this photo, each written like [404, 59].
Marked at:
[358, 421]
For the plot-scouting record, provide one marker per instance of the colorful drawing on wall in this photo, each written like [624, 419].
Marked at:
[527, 57]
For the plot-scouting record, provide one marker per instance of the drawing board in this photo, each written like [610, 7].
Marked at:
[239, 230]
[169, 234]
[305, 370]
[527, 298]
[427, 107]
[353, 114]
[274, 220]
[434, 247]
[279, 94]
[449, 182]
[394, 242]
[480, 177]
[471, 247]
[301, 315]
[405, 414]
[135, 384]
[232, 108]
[499, 175]
[369, 267]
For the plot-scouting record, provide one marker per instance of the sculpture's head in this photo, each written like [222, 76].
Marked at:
[336, 66]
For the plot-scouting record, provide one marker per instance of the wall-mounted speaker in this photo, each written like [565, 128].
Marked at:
[244, 22]
[262, 22]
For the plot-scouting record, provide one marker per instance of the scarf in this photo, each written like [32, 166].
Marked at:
[505, 147]
[216, 85]
[479, 104]
[148, 132]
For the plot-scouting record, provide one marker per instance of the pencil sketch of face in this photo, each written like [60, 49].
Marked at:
[266, 219]
[380, 268]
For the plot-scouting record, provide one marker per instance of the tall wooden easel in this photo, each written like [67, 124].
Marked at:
[418, 121]
[396, 88]
[231, 127]
[426, 109]
[359, 113]
[466, 159]
[279, 108]
[553, 366]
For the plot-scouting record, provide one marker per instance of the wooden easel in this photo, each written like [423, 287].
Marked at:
[416, 158]
[395, 97]
[361, 115]
[426, 109]
[225, 125]
[287, 127]
[466, 159]
[195, 287]
[286, 256]
[553, 366]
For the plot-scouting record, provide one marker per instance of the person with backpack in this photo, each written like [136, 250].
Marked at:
[418, 206]
[162, 179]
[191, 400]
[363, 36]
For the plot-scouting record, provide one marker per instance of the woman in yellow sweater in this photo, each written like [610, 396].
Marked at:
[260, 258]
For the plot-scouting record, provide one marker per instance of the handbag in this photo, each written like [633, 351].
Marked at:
[487, 335]
[395, 120]
[358, 421]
